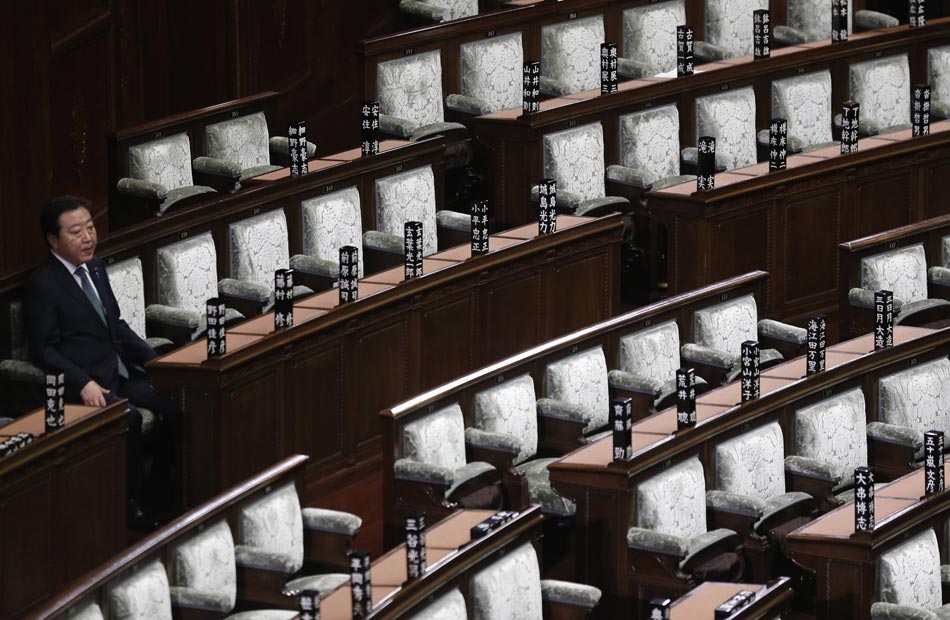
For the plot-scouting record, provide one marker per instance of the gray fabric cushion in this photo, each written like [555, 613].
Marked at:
[180, 193]
[510, 409]
[142, 595]
[327, 520]
[166, 161]
[730, 118]
[752, 464]
[910, 573]
[674, 501]
[264, 614]
[649, 33]
[410, 88]
[491, 71]
[729, 23]
[508, 589]
[805, 102]
[570, 53]
[259, 246]
[540, 490]
[649, 141]
[324, 584]
[834, 431]
[882, 87]
[575, 159]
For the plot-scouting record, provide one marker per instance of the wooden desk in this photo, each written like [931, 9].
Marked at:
[63, 502]
[605, 492]
[771, 600]
[845, 562]
[315, 388]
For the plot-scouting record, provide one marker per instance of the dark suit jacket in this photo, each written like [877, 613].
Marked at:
[66, 334]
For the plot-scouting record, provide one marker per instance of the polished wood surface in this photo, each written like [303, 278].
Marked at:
[771, 600]
[62, 502]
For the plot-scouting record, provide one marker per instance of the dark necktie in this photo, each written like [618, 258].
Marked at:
[97, 304]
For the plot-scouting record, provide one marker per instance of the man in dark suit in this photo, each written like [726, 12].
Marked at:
[74, 326]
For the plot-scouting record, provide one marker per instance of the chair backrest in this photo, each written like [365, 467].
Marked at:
[917, 398]
[128, 286]
[509, 589]
[813, 17]
[242, 140]
[649, 33]
[456, 9]
[652, 352]
[938, 61]
[650, 142]
[805, 102]
[188, 273]
[834, 431]
[408, 197]
[730, 118]
[581, 379]
[330, 222]
[205, 563]
[19, 349]
[945, 251]
[729, 23]
[437, 439]
[575, 159]
[727, 325]
[143, 595]
[259, 247]
[910, 573]
[411, 88]
[274, 523]
[882, 87]
[674, 502]
[166, 161]
[752, 464]
[491, 70]
[902, 271]
[85, 611]
[570, 52]
[510, 408]
[449, 606]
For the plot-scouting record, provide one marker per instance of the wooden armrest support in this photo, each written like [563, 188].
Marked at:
[261, 587]
[326, 551]
[890, 460]
[558, 436]
[743, 524]
[555, 610]
[819, 488]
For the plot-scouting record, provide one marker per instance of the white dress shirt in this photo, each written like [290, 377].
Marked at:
[72, 271]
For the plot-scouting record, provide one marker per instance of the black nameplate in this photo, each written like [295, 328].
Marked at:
[850, 119]
[479, 227]
[863, 500]
[816, 341]
[361, 590]
[933, 462]
[369, 128]
[298, 148]
[621, 421]
[778, 144]
[660, 609]
[531, 87]
[283, 298]
[916, 14]
[883, 319]
[55, 404]
[308, 605]
[547, 206]
[217, 343]
[685, 398]
[735, 603]
[749, 362]
[413, 244]
[761, 34]
[685, 62]
[839, 21]
[415, 545]
[920, 110]
[706, 179]
[348, 284]
[608, 68]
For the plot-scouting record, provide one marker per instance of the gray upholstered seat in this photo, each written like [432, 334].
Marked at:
[244, 142]
[141, 595]
[449, 606]
[911, 580]
[161, 170]
[439, 10]
[649, 38]
[578, 385]
[750, 477]
[128, 285]
[203, 571]
[938, 65]
[18, 369]
[903, 271]
[506, 416]
[649, 359]
[85, 610]
[912, 402]
[728, 117]
[650, 150]
[511, 588]
[570, 56]
[490, 75]
[810, 20]
[720, 330]
[805, 102]
[259, 247]
[575, 159]
[882, 87]
[671, 513]
[410, 96]
[728, 29]
[434, 451]
[331, 222]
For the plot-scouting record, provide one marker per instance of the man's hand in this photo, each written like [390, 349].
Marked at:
[93, 395]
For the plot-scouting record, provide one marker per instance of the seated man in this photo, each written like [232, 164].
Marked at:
[74, 326]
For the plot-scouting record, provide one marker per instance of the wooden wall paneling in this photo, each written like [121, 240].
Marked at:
[808, 239]
[887, 191]
[743, 242]
[934, 184]
[579, 289]
[26, 552]
[518, 296]
[450, 336]
[381, 366]
[316, 385]
[254, 434]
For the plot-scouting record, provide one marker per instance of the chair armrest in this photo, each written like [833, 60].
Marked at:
[940, 109]
[384, 242]
[567, 201]
[468, 105]
[396, 126]
[408, 469]
[633, 69]
[707, 52]
[426, 131]
[873, 20]
[642, 539]
[198, 599]
[793, 145]
[335, 521]
[21, 371]
[280, 145]
[781, 509]
[170, 315]
[699, 354]
[891, 433]
[866, 127]
[602, 205]
[709, 545]
[863, 298]
[813, 468]
[635, 383]
[629, 176]
[939, 276]
[782, 331]
[677, 179]
[422, 9]
[473, 475]
[314, 266]
[787, 35]
[453, 220]
[552, 87]
[569, 593]
[725, 501]
[217, 167]
[891, 611]
[893, 450]
[491, 440]
[141, 189]
[552, 408]
[814, 477]
[248, 291]
[690, 157]
[253, 557]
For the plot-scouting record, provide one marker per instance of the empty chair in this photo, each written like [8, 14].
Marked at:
[142, 595]
[728, 29]
[670, 540]
[903, 271]
[750, 486]
[574, 158]
[439, 10]
[511, 588]
[449, 606]
[810, 20]
[490, 73]
[128, 284]
[570, 56]
[805, 102]
[649, 150]
[578, 386]
[160, 173]
[720, 330]
[938, 60]
[243, 146]
[912, 402]
[912, 581]
[331, 222]
[729, 118]
[410, 96]
[882, 87]
[649, 38]
[22, 380]
[434, 457]
[506, 422]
